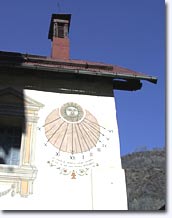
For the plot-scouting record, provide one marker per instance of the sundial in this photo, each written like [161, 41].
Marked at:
[72, 129]
[76, 135]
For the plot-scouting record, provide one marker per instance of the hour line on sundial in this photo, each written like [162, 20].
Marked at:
[55, 132]
[51, 121]
[50, 129]
[78, 138]
[63, 136]
[83, 137]
[88, 134]
[72, 138]
[95, 123]
[93, 128]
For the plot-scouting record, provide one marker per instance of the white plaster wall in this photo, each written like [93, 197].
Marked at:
[103, 188]
[108, 189]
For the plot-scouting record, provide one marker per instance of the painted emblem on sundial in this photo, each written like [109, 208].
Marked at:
[72, 112]
[72, 129]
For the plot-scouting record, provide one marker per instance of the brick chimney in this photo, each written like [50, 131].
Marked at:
[59, 35]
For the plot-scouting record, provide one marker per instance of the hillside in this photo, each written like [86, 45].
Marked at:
[146, 179]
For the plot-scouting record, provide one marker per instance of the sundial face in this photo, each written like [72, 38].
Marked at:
[76, 136]
[72, 129]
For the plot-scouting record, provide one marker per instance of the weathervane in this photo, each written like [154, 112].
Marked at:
[59, 6]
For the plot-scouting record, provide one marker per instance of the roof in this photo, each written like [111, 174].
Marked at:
[71, 66]
[98, 68]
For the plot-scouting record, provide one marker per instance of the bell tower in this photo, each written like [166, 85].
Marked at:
[59, 35]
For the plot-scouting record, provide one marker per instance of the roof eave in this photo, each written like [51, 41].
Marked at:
[136, 77]
[37, 62]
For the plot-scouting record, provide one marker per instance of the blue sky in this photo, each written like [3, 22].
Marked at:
[129, 33]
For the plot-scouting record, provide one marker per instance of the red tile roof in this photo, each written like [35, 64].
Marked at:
[82, 66]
